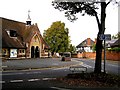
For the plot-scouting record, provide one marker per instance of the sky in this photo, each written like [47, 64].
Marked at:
[44, 14]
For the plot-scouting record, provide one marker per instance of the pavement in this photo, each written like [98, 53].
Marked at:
[37, 63]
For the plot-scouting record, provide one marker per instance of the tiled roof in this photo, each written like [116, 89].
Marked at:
[85, 43]
[7, 41]
[24, 33]
[116, 43]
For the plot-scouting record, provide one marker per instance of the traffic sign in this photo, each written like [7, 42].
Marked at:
[102, 37]
[105, 36]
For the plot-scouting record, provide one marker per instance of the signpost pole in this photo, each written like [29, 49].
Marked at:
[104, 55]
[105, 37]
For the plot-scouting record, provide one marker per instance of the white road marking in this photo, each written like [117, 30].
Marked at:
[16, 81]
[60, 68]
[20, 73]
[48, 78]
[30, 80]
[59, 88]
[4, 66]
[88, 66]
[33, 72]
[36, 72]
[11, 73]
[2, 81]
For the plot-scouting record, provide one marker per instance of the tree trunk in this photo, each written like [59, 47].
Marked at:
[101, 27]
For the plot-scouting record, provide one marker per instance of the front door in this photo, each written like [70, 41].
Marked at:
[32, 51]
[37, 52]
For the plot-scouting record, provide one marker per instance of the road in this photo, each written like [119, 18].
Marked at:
[43, 78]
[110, 67]
[34, 78]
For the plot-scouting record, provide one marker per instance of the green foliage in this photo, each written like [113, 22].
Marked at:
[72, 8]
[57, 37]
[94, 47]
[117, 49]
[72, 49]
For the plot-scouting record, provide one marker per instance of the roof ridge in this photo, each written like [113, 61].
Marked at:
[13, 20]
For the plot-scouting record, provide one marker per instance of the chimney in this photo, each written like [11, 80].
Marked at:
[88, 41]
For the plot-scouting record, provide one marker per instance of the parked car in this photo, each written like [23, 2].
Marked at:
[66, 56]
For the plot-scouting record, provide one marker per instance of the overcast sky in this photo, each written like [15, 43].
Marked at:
[44, 14]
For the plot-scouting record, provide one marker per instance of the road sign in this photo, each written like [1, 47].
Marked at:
[105, 36]
[102, 37]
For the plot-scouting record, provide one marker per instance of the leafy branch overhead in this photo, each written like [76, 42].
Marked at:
[72, 8]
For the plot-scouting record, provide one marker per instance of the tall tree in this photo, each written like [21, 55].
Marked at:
[57, 37]
[71, 8]
[72, 49]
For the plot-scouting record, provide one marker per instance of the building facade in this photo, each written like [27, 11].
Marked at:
[86, 45]
[22, 40]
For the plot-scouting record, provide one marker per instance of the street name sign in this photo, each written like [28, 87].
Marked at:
[105, 36]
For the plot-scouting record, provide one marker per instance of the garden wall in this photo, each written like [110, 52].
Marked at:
[110, 55]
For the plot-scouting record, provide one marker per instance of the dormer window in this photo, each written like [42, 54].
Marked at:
[13, 33]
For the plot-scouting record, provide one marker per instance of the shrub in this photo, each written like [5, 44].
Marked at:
[117, 49]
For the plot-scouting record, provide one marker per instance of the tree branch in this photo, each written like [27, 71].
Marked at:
[108, 3]
[98, 21]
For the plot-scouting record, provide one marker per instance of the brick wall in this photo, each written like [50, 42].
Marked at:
[109, 55]
[112, 56]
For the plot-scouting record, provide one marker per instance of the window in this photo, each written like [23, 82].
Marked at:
[13, 33]
[13, 52]
[21, 51]
[4, 51]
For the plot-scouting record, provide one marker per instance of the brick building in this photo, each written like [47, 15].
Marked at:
[22, 40]
[86, 45]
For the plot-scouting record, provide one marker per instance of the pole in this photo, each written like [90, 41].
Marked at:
[104, 55]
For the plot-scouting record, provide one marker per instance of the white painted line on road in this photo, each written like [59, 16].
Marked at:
[16, 81]
[11, 73]
[48, 78]
[88, 66]
[60, 68]
[75, 60]
[4, 66]
[33, 72]
[2, 81]
[59, 88]
[36, 72]
[30, 80]
[20, 73]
